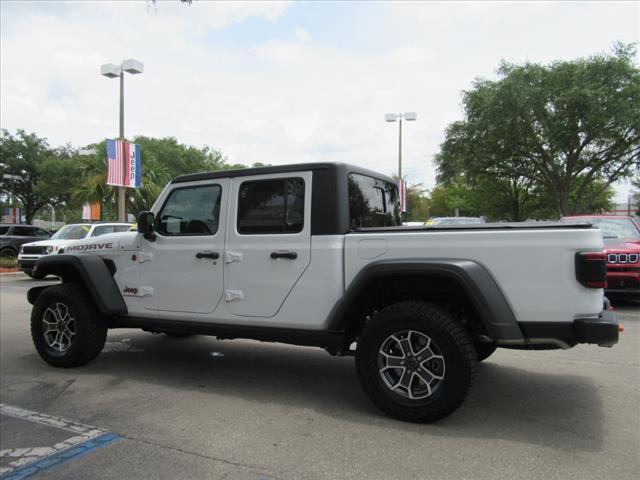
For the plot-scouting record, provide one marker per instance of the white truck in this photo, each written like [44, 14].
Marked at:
[315, 255]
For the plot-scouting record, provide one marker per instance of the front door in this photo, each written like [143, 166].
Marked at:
[182, 269]
[268, 241]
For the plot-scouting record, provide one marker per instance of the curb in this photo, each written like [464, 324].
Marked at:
[2, 274]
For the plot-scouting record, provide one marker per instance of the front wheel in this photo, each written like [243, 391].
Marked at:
[415, 361]
[66, 327]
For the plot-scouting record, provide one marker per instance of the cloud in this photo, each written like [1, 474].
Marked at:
[231, 75]
[302, 34]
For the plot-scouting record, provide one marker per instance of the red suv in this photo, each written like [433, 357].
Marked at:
[622, 246]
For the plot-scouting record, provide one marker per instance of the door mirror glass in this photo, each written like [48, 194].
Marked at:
[145, 222]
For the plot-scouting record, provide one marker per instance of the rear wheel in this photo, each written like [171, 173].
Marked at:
[66, 327]
[8, 253]
[415, 361]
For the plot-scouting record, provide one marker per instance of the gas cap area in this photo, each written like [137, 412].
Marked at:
[372, 248]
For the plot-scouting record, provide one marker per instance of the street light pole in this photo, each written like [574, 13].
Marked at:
[400, 149]
[112, 71]
[122, 199]
[392, 117]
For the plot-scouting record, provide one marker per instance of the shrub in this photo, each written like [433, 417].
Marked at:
[8, 262]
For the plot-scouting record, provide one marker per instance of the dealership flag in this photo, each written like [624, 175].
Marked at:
[402, 189]
[91, 211]
[129, 174]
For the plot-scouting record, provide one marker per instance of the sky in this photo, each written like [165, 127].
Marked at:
[282, 82]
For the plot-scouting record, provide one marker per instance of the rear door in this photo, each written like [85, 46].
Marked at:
[268, 241]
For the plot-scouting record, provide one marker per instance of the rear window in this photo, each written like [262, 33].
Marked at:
[372, 202]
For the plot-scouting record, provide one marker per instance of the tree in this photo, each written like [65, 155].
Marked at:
[417, 204]
[562, 129]
[41, 173]
[636, 193]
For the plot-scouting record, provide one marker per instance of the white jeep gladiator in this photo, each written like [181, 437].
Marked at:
[316, 255]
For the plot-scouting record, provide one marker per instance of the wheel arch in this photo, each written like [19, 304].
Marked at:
[463, 284]
[90, 271]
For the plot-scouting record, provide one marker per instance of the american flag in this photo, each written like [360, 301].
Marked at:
[115, 172]
[125, 173]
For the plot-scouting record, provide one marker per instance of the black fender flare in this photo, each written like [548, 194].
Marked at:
[90, 271]
[479, 285]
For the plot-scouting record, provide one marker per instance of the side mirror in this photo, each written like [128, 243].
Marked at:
[145, 225]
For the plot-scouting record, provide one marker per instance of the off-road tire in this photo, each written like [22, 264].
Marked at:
[448, 336]
[8, 253]
[485, 350]
[90, 326]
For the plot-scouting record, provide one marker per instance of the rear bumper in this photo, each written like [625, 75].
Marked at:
[602, 331]
[623, 281]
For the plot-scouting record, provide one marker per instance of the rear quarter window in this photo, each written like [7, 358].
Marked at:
[372, 202]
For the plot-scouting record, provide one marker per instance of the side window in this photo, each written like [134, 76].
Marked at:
[42, 233]
[22, 232]
[372, 202]
[271, 206]
[122, 228]
[101, 230]
[191, 211]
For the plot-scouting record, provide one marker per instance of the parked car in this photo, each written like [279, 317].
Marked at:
[455, 221]
[13, 236]
[622, 247]
[30, 253]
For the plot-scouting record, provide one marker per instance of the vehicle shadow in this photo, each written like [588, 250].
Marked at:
[625, 303]
[507, 403]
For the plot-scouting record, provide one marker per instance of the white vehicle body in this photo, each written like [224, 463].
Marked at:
[534, 268]
[316, 255]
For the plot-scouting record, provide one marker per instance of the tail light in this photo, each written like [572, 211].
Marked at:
[591, 269]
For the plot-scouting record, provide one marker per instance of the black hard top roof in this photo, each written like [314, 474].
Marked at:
[297, 167]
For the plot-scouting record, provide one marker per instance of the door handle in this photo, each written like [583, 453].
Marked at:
[213, 255]
[288, 255]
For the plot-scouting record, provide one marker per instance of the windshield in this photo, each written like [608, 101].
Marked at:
[622, 228]
[71, 232]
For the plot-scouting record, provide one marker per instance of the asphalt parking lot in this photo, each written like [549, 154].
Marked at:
[154, 407]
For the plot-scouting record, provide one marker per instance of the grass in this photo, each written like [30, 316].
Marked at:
[8, 262]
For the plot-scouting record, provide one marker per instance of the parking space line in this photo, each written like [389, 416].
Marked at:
[29, 461]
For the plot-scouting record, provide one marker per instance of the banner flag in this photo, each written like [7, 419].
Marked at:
[91, 211]
[127, 173]
[12, 215]
[402, 192]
